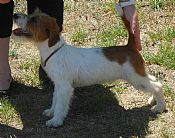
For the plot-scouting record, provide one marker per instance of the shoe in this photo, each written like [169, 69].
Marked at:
[4, 93]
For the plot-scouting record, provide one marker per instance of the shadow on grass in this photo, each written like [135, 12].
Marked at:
[94, 113]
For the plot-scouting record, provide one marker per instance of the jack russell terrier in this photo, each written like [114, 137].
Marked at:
[69, 67]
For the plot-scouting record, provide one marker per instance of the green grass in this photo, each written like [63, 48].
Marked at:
[138, 5]
[111, 36]
[13, 54]
[167, 34]
[157, 4]
[164, 39]
[119, 87]
[168, 91]
[29, 71]
[7, 111]
[79, 36]
[165, 56]
[109, 7]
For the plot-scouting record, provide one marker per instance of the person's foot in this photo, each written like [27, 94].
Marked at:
[5, 85]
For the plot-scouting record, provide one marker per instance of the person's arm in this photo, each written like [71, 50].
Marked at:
[4, 1]
[128, 11]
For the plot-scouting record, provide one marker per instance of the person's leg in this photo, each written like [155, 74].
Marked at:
[53, 8]
[6, 15]
[5, 73]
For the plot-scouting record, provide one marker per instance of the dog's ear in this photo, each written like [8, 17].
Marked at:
[53, 32]
[37, 10]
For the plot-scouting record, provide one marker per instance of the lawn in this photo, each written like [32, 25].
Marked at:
[100, 111]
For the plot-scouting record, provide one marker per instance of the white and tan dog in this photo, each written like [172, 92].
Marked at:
[69, 67]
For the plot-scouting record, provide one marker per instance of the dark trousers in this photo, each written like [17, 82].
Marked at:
[53, 8]
[6, 19]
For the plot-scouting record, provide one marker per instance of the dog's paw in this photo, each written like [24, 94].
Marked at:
[152, 101]
[54, 122]
[158, 109]
[48, 113]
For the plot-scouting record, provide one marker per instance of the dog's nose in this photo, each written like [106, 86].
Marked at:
[15, 16]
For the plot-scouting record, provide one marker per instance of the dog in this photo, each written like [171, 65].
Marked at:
[69, 67]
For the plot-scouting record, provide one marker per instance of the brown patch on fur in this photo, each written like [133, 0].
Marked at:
[54, 35]
[44, 27]
[121, 54]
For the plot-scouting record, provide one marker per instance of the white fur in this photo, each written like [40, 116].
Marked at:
[22, 20]
[72, 67]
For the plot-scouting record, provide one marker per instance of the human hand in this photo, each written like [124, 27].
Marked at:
[4, 1]
[131, 16]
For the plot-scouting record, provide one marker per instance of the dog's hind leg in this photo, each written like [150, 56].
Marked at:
[63, 94]
[152, 99]
[148, 83]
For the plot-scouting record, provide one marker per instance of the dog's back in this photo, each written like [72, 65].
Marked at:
[87, 66]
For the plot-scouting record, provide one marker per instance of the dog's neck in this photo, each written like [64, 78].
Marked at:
[45, 51]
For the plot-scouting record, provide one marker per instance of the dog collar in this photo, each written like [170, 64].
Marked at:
[45, 61]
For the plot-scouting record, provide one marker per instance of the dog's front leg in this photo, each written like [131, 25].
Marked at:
[62, 96]
[49, 112]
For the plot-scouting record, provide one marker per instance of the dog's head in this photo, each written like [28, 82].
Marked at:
[38, 27]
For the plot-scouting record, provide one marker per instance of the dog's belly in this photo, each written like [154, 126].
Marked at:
[89, 83]
[106, 74]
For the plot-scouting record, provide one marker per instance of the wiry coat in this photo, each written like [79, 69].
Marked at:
[69, 67]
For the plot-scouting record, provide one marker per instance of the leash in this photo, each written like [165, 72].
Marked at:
[45, 62]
